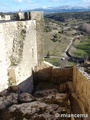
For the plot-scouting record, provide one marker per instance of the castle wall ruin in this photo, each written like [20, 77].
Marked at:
[21, 49]
[18, 51]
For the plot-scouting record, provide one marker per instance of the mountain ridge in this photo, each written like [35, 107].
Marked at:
[61, 9]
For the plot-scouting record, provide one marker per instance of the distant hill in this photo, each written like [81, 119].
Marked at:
[62, 9]
[62, 17]
[58, 9]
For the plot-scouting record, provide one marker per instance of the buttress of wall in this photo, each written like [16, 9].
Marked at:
[82, 87]
[20, 49]
[38, 16]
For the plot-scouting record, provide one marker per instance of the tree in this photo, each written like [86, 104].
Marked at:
[56, 38]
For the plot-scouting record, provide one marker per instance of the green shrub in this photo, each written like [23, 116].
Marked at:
[47, 29]
[56, 38]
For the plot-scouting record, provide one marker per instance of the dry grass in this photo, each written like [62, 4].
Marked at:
[55, 48]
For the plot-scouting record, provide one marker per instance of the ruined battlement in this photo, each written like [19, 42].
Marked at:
[30, 15]
[33, 15]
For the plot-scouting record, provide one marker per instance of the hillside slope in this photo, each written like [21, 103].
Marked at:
[59, 35]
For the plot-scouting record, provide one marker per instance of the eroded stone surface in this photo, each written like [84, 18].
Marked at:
[4, 92]
[48, 105]
[54, 98]
[38, 110]
[42, 85]
[26, 97]
[8, 100]
[2, 104]
[45, 92]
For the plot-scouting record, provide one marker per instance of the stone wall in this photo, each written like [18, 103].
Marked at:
[54, 75]
[38, 16]
[21, 48]
[5, 17]
[3, 62]
[82, 87]
[61, 75]
[18, 52]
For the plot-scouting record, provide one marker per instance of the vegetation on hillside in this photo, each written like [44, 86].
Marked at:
[64, 28]
[62, 17]
[47, 29]
[56, 38]
[83, 48]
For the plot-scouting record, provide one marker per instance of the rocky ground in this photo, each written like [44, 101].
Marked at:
[47, 104]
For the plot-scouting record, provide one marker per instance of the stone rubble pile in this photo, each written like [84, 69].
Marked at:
[8, 99]
[42, 105]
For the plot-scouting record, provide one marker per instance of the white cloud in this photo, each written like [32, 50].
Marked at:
[55, 0]
[86, 2]
[19, 0]
[23, 1]
[45, 7]
[58, 0]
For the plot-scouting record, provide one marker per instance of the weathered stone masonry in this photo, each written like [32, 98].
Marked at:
[38, 16]
[18, 52]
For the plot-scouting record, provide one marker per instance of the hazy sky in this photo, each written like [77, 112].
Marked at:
[15, 5]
